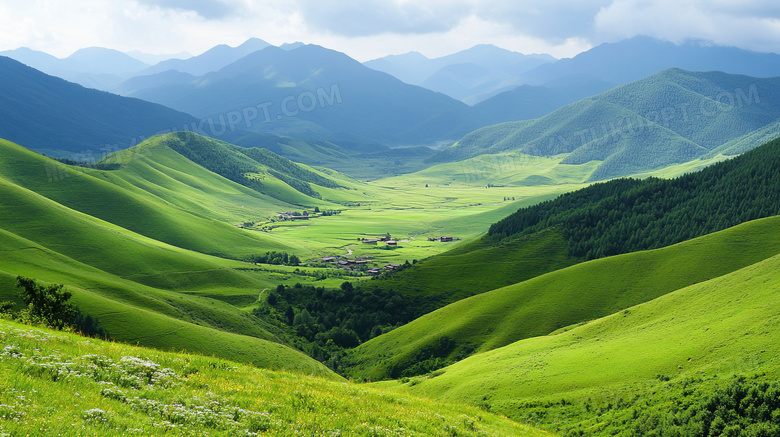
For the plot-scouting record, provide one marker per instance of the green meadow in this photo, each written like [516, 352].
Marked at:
[66, 385]
[156, 246]
[154, 241]
[598, 376]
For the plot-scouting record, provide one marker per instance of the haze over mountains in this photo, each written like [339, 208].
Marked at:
[671, 117]
[305, 94]
[52, 115]
[471, 75]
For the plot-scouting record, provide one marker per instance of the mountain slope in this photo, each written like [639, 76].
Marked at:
[671, 117]
[105, 194]
[54, 116]
[604, 219]
[626, 215]
[126, 280]
[700, 336]
[565, 297]
[314, 92]
[634, 58]
[470, 75]
[211, 60]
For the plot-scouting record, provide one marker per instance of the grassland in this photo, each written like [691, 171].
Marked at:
[61, 384]
[595, 376]
[458, 199]
[564, 297]
[135, 244]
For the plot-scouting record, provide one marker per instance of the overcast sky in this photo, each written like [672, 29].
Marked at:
[367, 29]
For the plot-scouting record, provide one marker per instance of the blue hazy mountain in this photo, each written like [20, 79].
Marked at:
[313, 92]
[52, 115]
[614, 64]
[212, 60]
[93, 67]
[471, 75]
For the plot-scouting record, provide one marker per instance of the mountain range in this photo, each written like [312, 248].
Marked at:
[671, 117]
[310, 92]
[471, 75]
[58, 117]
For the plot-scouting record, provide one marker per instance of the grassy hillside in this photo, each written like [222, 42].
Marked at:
[632, 368]
[249, 167]
[112, 389]
[175, 210]
[572, 295]
[669, 118]
[127, 280]
[625, 215]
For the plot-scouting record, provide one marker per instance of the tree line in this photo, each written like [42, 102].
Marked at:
[627, 215]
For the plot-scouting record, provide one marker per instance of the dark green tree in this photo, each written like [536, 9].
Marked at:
[47, 304]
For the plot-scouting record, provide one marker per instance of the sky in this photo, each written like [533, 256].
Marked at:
[369, 29]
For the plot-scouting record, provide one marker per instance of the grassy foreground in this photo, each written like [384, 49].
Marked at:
[62, 384]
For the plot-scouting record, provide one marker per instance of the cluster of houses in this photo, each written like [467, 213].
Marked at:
[345, 263]
[387, 239]
[443, 239]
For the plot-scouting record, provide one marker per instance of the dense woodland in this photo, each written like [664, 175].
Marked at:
[325, 322]
[628, 215]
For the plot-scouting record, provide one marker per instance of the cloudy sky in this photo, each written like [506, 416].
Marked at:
[367, 29]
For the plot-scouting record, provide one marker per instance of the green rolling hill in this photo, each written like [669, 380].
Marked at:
[157, 193]
[129, 239]
[141, 291]
[604, 219]
[668, 118]
[649, 368]
[564, 297]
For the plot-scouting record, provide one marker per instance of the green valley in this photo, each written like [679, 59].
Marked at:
[333, 251]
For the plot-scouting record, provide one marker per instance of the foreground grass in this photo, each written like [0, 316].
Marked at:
[61, 384]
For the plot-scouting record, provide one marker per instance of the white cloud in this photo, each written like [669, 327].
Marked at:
[751, 24]
[373, 28]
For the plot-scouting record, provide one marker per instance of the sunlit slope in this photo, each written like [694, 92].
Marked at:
[671, 117]
[575, 294]
[724, 326]
[108, 247]
[147, 392]
[133, 313]
[183, 222]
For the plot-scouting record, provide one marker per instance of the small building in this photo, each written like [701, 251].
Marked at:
[444, 239]
[329, 259]
[372, 272]
[370, 240]
[391, 243]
